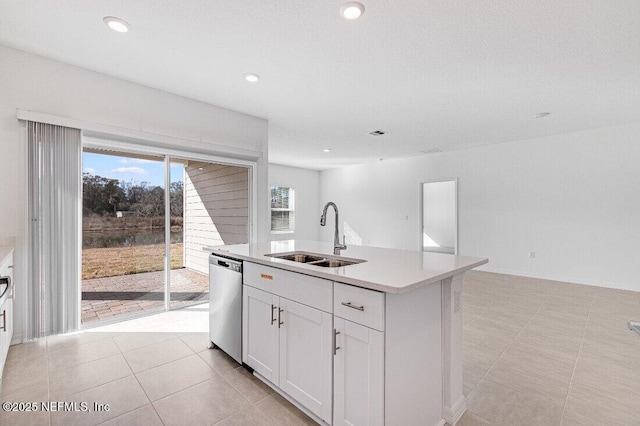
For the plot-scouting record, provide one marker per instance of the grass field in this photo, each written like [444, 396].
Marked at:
[110, 262]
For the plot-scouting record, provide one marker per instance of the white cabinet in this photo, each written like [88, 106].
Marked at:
[260, 332]
[305, 356]
[349, 355]
[358, 375]
[6, 309]
[290, 345]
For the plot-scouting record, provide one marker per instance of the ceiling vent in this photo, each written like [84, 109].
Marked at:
[431, 151]
[378, 133]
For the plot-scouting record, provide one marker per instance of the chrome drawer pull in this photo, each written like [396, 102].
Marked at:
[349, 305]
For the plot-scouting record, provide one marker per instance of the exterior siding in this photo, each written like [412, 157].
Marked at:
[216, 210]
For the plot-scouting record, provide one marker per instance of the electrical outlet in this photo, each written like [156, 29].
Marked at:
[456, 300]
[532, 254]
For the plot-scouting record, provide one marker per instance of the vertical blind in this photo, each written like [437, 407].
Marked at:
[53, 288]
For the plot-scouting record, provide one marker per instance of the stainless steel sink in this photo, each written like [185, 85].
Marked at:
[335, 263]
[316, 259]
[298, 257]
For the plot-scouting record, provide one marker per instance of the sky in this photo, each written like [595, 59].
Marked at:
[129, 169]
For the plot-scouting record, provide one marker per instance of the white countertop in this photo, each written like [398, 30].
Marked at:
[5, 251]
[386, 270]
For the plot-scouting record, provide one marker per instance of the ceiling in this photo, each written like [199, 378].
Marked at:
[433, 74]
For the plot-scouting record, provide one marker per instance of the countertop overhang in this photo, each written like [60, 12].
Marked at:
[386, 270]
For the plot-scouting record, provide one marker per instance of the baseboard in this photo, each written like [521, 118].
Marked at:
[604, 284]
[16, 339]
[453, 414]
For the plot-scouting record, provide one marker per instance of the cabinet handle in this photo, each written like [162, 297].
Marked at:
[350, 305]
[273, 308]
[335, 341]
[280, 311]
[4, 320]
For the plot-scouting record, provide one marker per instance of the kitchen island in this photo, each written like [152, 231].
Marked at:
[376, 342]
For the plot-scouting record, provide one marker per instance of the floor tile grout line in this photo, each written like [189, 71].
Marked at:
[144, 391]
[505, 349]
[145, 346]
[178, 391]
[239, 390]
[75, 346]
[150, 402]
[584, 332]
[101, 384]
[165, 363]
[82, 363]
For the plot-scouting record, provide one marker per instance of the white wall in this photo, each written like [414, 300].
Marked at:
[574, 199]
[34, 83]
[307, 204]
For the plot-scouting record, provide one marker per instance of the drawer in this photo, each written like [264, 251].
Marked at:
[305, 289]
[359, 305]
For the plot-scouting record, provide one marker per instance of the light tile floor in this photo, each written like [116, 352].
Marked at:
[536, 353]
[540, 352]
[155, 370]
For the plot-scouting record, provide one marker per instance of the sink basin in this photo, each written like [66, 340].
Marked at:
[336, 263]
[298, 257]
[316, 259]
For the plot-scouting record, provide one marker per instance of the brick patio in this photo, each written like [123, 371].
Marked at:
[109, 297]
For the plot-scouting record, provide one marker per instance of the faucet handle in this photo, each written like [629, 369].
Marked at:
[344, 242]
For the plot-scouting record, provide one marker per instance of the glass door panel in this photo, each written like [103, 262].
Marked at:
[123, 235]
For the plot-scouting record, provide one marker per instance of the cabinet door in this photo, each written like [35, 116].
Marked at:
[305, 357]
[260, 332]
[9, 320]
[358, 375]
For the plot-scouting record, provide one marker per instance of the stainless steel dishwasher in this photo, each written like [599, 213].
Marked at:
[225, 305]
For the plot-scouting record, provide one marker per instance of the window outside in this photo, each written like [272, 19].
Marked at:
[282, 209]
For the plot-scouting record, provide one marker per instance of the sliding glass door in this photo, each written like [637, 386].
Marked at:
[123, 235]
[146, 220]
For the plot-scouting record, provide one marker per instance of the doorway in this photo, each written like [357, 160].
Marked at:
[440, 216]
[145, 221]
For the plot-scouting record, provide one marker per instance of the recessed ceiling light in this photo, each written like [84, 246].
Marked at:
[543, 115]
[352, 10]
[251, 77]
[326, 150]
[116, 24]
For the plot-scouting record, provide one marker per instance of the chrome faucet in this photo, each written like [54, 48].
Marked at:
[336, 236]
